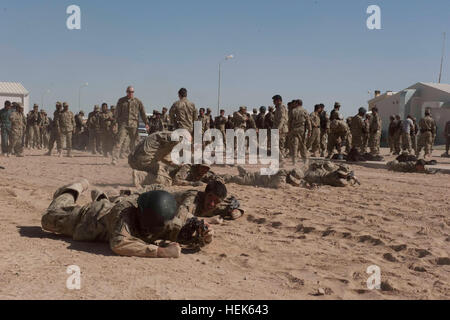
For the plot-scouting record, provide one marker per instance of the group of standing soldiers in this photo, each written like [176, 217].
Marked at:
[408, 135]
[114, 131]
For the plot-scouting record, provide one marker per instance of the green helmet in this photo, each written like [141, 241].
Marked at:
[155, 208]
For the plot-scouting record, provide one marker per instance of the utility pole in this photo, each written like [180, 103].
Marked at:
[442, 59]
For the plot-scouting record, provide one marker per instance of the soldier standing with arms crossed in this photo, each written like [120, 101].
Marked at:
[128, 110]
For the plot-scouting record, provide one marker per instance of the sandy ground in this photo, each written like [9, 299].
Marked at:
[292, 243]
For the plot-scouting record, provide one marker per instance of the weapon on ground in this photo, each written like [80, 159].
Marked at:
[192, 231]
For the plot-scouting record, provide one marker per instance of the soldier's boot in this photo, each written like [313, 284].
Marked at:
[76, 189]
[69, 154]
[97, 195]
[60, 154]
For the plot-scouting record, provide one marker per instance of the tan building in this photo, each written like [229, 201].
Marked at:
[413, 101]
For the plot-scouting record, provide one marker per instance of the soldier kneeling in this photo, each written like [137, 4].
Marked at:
[133, 223]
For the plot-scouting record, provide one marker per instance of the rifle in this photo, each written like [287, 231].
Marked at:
[192, 231]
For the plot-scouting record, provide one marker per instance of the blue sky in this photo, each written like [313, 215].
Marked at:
[319, 51]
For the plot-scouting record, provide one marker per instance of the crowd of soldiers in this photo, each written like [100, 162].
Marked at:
[113, 131]
[135, 222]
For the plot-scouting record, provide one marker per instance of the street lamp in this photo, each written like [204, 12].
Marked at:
[220, 69]
[79, 95]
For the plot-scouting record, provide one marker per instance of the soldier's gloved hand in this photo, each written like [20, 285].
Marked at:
[173, 250]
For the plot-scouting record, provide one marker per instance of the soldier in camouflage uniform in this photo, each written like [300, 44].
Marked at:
[17, 131]
[366, 135]
[314, 141]
[397, 135]
[375, 133]
[152, 163]
[299, 125]
[205, 120]
[338, 136]
[127, 223]
[81, 137]
[220, 124]
[67, 126]
[33, 127]
[240, 118]
[409, 167]
[106, 123]
[280, 122]
[357, 130]
[95, 137]
[427, 127]
[211, 119]
[328, 173]
[55, 131]
[165, 118]
[183, 113]
[324, 129]
[5, 126]
[127, 114]
[44, 124]
[279, 180]
[260, 119]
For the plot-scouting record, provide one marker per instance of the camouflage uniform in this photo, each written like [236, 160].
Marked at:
[127, 118]
[67, 126]
[366, 135]
[447, 137]
[240, 119]
[314, 140]
[55, 131]
[339, 135]
[427, 127]
[324, 129]
[255, 179]
[33, 127]
[44, 124]
[18, 127]
[115, 220]
[397, 136]
[205, 122]
[106, 123]
[183, 114]
[165, 118]
[5, 128]
[408, 167]
[357, 131]
[375, 134]
[327, 173]
[94, 128]
[298, 124]
[280, 122]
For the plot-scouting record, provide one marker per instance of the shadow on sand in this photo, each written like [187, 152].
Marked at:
[91, 247]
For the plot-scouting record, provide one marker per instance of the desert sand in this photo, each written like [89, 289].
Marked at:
[292, 243]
